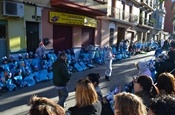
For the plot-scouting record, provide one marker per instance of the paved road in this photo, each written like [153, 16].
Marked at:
[16, 102]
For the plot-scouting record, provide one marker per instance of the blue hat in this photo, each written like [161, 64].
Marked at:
[11, 57]
[28, 71]
[9, 74]
[4, 58]
[19, 56]
[35, 67]
[26, 54]
[19, 71]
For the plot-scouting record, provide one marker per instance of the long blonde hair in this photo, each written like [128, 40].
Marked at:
[85, 93]
[129, 104]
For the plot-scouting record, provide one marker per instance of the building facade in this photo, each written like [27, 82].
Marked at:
[66, 24]
[169, 18]
[21, 25]
[159, 16]
[74, 23]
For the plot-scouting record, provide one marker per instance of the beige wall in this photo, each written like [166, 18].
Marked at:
[105, 31]
[47, 28]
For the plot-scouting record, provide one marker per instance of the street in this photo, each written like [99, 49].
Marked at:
[16, 102]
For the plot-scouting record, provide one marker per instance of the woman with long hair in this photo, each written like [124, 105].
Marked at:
[87, 102]
[128, 104]
[144, 87]
[166, 83]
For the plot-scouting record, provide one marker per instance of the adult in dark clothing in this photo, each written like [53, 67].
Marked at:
[162, 105]
[166, 66]
[61, 77]
[106, 107]
[166, 45]
[144, 87]
[87, 102]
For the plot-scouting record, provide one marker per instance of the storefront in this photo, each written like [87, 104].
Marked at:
[77, 20]
[72, 30]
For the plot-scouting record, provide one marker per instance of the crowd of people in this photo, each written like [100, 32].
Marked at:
[26, 70]
[147, 96]
[147, 99]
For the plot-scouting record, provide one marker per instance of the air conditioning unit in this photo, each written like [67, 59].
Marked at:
[13, 9]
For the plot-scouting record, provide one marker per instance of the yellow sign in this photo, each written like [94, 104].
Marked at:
[66, 18]
[90, 22]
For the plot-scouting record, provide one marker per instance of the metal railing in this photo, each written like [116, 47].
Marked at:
[148, 2]
[125, 16]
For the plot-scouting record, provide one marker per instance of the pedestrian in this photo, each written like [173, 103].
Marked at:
[61, 77]
[166, 83]
[162, 105]
[166, 45]
[108, 62]
[144, 87]
[40, 51]
[143, 68]
[167, 65]
[95, 79]
[128, 104]
[87, 102]
[44, 106]
[106, 107]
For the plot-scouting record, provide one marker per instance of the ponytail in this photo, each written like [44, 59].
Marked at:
[154, 91]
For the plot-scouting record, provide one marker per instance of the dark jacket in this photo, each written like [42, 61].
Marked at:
[60, 73]
[146, 97]
[166, 66]
[94, 109]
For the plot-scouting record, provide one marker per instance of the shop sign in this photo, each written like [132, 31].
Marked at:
[90, 22]
[66, 18]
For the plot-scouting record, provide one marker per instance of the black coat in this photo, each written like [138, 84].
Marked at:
[166, 66]
[94, 109]
[60, 73]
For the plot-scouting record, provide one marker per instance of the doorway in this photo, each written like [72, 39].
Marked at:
[87, 36]
[3, 43]
[120, 35]
[32, 34]
[62, 37]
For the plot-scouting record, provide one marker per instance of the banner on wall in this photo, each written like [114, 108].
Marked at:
[66, 18]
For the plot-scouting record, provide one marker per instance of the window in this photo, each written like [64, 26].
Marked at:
[111, 37]
[123, 10]
[130, 13]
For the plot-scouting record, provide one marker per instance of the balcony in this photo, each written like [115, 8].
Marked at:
[125, 16]
[148, 4]
[146, 22]
[137, 2]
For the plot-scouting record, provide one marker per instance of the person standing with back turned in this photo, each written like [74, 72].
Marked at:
[61, 77]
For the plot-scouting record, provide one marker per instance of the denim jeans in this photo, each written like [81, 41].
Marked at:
[62, 95]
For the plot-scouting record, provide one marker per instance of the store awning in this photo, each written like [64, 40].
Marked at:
[76, 7]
